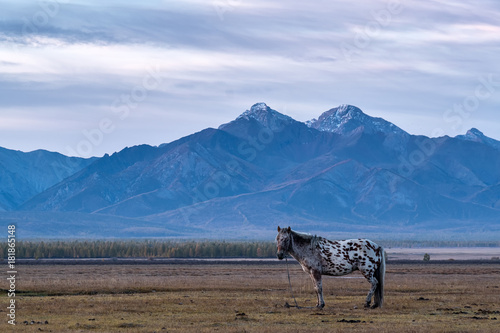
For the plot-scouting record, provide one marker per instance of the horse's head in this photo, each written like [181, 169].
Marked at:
[284, 241]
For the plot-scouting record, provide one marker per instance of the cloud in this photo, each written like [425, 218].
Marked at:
[217, 58]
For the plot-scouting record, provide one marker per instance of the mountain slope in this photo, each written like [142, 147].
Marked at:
[145, 180]
[23, 175]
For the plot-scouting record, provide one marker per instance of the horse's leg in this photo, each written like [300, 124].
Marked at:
[318, 287]
[373, 282]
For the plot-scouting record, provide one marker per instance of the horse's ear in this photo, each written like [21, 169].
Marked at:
[289, 229]
[279, 229]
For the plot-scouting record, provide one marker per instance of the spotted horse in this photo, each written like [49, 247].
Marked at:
[320, 256]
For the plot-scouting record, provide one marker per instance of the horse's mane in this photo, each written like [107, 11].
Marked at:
[305, 237]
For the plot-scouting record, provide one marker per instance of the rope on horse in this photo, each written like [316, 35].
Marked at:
[291, 291]
[290, 284]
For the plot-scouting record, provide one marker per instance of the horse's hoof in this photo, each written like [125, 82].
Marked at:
[367, 305]
[320, 306]
[374, 306]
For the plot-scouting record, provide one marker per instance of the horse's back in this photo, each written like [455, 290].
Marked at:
[342, 257]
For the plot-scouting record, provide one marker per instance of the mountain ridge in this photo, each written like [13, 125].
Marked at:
[346, 170]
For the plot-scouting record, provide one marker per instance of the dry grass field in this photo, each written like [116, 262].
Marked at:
[250, 298]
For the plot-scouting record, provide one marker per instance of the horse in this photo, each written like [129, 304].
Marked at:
[320, 256]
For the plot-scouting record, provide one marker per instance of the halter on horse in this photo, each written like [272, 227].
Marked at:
[319, 256]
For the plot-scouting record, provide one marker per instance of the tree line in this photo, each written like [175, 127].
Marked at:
[135, 249]
[182, 249]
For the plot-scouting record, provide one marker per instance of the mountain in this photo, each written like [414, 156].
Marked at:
[350, 121]
[345, 173]
[348, 118]
[476, 135]
[24, 175]
[266, 116]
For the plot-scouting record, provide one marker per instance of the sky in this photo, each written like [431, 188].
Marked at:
[85, 78]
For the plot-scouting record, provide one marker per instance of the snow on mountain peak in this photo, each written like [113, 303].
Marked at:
[334, 118]
[268, 117]
[347, 118]
[258, 111]
[476, 135]
[259, 107]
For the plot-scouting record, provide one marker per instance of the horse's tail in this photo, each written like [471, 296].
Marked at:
[380, 276]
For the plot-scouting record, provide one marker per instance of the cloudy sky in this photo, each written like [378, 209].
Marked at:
[92, 77]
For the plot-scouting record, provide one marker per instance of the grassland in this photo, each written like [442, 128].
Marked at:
[250, 298]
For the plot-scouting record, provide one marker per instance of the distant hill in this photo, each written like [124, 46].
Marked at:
[24, 175]
[343, 173]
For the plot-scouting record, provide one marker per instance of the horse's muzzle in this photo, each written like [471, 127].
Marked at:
[280, 255]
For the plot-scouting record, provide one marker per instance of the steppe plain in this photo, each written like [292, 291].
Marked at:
[437, 296]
